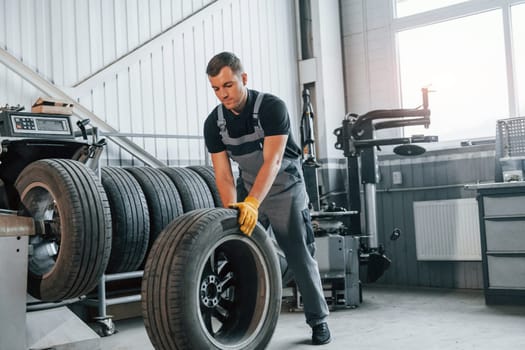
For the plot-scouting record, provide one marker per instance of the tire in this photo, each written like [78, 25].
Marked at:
[69, 259]
[162, 197]
[208, 286]
[207, 174]
[129, 220]
[193, 190]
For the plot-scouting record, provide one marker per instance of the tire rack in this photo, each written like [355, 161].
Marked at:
[102, 301]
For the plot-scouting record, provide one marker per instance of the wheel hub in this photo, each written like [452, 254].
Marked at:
[210, 291]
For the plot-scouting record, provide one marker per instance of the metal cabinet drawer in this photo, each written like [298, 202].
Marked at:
[508, 235]
[505, 205]
[506, 272]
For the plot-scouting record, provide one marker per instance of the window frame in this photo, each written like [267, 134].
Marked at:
[456, 11]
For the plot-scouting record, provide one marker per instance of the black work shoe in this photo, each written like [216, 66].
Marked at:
[321, 334]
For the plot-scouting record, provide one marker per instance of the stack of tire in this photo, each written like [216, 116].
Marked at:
[144, 201]
[205, 284]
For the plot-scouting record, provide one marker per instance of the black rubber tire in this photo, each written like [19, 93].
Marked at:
[129, 220]
[207, 174]
[193, 190]
[182, 304]
[69, 260]
[164, 203]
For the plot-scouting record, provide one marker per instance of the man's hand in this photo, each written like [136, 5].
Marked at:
[248, 213]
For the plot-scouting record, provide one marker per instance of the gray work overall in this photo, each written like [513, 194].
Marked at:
[286, 209]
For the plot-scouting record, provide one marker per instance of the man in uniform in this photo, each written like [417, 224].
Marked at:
[253, 129]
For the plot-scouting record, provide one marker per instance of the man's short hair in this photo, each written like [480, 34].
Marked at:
[224, 59]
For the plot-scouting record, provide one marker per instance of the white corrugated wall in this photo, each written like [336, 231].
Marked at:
[140, 65]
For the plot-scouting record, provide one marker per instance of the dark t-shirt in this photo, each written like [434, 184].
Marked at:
[273, 117]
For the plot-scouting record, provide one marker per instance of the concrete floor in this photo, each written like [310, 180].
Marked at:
[388, 318]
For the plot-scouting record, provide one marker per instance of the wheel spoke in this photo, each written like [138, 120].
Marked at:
[212, 261]
[227, 281]
[221, 314]
[222, 267]
[206, 315]
[208, 267]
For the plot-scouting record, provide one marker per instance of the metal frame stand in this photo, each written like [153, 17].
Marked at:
[102, 301]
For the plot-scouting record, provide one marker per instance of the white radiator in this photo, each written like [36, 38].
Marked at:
[447, 230]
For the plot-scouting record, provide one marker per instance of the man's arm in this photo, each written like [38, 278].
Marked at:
[273, 151]
[224, 177]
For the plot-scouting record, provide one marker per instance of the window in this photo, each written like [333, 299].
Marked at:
[518, 35]
[463, 61]
[411, 7]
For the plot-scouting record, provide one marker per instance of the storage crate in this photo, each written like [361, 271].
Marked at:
[510, 146]
[511, 137]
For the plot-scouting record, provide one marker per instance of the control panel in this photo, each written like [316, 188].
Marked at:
[20, 124]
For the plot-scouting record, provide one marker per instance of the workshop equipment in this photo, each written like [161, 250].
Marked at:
[357, 141]
[37, 157]
[13, 254]
[342, 247]
[310, 163]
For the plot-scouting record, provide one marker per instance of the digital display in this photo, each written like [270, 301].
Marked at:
[50, 125]
[39, 125]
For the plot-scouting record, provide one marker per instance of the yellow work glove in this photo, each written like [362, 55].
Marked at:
[248, 212]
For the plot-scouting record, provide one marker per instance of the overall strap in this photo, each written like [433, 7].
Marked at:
[221, 122]
[256, 107]
[255, 116]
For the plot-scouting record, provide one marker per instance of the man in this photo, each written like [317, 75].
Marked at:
[253, 129]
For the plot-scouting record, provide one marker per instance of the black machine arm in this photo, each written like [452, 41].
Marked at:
[357, 131]
[399, 123]
[395, 141]
[418, 116]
